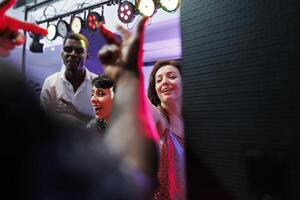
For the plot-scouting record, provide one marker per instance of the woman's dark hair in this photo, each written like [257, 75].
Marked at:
[104, 82]
[152, 95]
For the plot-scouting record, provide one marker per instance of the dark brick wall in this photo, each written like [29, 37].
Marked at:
[241, 98]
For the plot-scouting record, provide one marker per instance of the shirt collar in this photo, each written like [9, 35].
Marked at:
[88, 75]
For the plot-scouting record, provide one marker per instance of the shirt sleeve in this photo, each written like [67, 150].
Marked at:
[45, 97]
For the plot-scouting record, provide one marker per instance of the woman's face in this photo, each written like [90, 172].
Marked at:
[102, 100]
[168, 84]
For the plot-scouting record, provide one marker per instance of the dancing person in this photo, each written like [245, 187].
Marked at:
[68, 92]
[165, 93]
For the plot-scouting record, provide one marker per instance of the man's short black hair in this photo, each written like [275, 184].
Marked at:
[78, 37]
[102, 81]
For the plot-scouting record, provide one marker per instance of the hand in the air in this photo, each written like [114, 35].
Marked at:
[9, 29]
[127, 55]
[9, 40]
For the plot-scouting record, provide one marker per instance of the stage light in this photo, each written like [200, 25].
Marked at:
[77, 24]
[145, 7]
[126, 12]
[93, 20]
[169, 5]
[36, 46]
[63, 28]
[52, 34]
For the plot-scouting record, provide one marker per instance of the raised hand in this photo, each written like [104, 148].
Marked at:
[131, 133]
[117, 56]
[12, 24]
[9, 29]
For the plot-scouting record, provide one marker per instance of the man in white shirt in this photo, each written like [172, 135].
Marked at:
[68, 92]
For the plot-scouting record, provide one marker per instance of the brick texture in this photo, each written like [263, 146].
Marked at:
[241, 72]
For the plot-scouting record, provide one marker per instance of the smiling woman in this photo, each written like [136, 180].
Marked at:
[102, 102]
[165, 93]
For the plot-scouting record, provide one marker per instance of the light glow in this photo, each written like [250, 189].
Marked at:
[51, 32]
[169, 5]
[146, 7]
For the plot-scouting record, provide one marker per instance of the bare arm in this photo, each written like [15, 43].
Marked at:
[160, 120]
[132, 132]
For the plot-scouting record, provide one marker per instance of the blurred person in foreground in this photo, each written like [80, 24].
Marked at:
[46, 158]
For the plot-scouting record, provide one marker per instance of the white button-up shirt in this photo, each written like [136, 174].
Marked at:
[57, 86]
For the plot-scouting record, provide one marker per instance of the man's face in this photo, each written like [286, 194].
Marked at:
[74, 55]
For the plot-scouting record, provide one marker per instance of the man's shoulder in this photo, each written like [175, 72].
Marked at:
[90, 75]
[52, 80]
[53, 76]
[94, 75]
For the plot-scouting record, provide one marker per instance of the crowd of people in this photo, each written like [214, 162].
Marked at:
[141, 149]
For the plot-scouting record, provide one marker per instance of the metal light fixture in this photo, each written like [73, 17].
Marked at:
[63, 28]
[77, 24]
[93, 20]
[145, 7]
[126, 12]
[169, 5]
[52, 33]
[36, 46]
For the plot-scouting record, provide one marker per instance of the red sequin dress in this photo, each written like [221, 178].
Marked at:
[171, 173]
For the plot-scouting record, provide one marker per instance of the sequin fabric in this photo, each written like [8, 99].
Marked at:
[171, 173]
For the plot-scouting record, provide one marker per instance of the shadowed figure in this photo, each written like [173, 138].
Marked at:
[46, 158]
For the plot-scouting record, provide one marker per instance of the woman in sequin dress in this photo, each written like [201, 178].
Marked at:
[165, 93]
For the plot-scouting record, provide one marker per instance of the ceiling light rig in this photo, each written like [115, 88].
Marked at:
[126, 12]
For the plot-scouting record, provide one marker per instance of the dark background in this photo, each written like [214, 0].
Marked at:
[241, 98]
